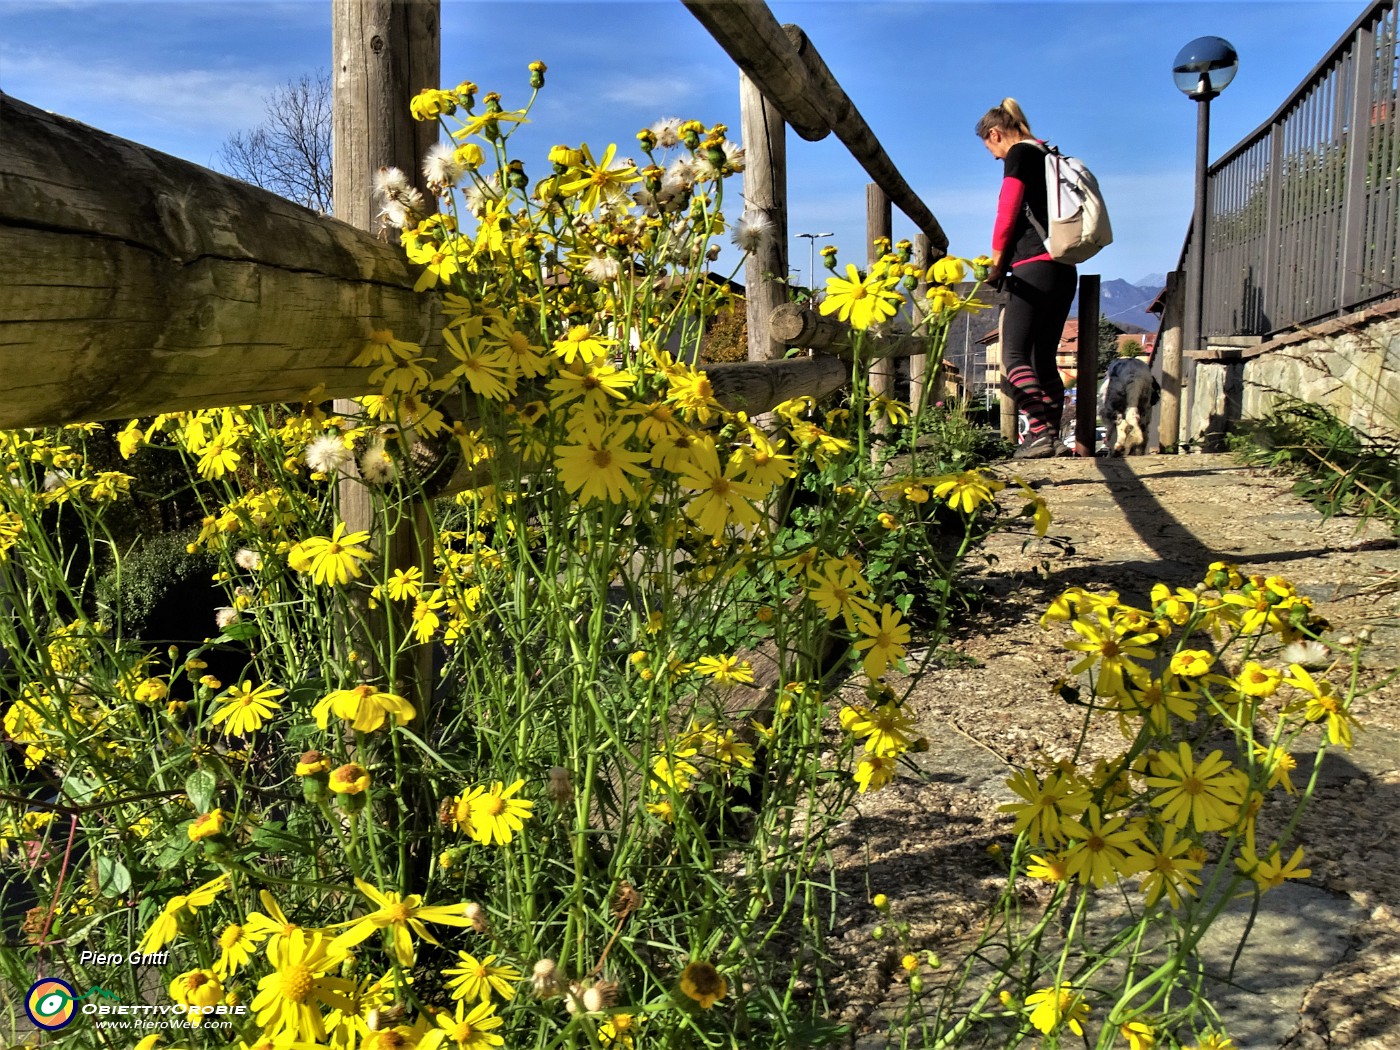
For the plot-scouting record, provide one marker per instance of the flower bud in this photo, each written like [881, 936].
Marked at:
[544, 979]
[537, 70]
[877, 934]
[916, 983]
[647, 138]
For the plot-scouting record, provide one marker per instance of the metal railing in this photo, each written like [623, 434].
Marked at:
[1304, 216]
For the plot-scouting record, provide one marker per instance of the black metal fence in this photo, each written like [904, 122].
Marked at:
[1304, 216]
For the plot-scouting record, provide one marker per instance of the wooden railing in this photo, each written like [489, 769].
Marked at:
[1304, 219]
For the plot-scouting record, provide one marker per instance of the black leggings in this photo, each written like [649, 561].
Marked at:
[1039, 297]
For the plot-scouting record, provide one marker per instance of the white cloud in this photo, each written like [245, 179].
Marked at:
[171, 105]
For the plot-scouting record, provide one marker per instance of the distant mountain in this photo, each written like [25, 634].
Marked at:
[1125, 304]
[1152, 280]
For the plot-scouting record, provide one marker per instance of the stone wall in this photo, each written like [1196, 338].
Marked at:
[1350, 365]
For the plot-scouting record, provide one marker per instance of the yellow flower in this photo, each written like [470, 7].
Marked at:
[725, 670]
[838, 590]
[1056, 1005]
[967, 491]
[495, 815]
[464, 1029]
[1102, 851]
[166, 926]
[236, 944]
[887, 729]
[703, 983]
[479, 979]
[1270, 872]
[349, 779]
[884, 640]
[331, 560]
[1060, 797]
[1192, 663]
[861, 301]
[599, 183]
[207, 825]
[290, 999]
[723, 500]
[1205, 795]
[402, 917]
[874, 771]
[948, 270]
[597, 465]
[365, 707]
[244, 708]
[197, 988]
[582, 345]
[1049, 867]
[1114, 646]
[1323, 703]
[1139, 1035]
[1171, 869]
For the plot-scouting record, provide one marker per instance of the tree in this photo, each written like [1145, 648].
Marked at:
[289, 153]
[1130, 348]
[1108, 343]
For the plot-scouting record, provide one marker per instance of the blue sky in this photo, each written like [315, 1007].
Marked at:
[1092, 77]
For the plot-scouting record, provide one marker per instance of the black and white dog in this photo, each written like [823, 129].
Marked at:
[1126, 398]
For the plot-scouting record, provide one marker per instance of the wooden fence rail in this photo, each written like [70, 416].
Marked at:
[132, 282]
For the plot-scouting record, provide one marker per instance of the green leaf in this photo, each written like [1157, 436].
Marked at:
[242, 631]
[200, 786]
[113, 879]
[175, 848]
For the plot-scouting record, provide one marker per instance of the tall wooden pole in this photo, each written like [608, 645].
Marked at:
[765, 194]
[1169, 346]
[879, 223]
[384, 53]
[1087, 367]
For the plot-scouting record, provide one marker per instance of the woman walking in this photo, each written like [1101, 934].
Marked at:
[1039, 289]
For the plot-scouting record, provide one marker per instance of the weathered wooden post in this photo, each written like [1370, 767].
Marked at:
[919, 362]
[1087, 366]
[765, 191]
[879, 225]
[1169, 346]
[384, 52]
[1009, 417]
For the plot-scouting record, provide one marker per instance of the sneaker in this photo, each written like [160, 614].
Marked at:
[1061, 449]
[1040, 446]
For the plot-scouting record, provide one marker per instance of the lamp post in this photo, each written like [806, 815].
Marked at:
[1202, 69]
[812, 239]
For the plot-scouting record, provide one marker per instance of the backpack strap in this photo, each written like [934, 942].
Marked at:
[1040, 230]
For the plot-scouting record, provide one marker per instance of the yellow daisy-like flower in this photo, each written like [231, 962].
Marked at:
[703, 983]
[1057, 1005]
[464, 1029]
[887, 729]
[1258, 681]
[725, 670]
[874, 771]
[1323, 703]
[967, 491]
[1102, 851]
[166, 926]
[722, 498]
[1192, 663]
[1206, 795]
[474, 978]
[331, 560]
[1270, 872]
[861, 301]
[1140, 1036]
[244, 708]
[402, 918]
[290, 999]
[496, 816]
[582, 345]
[1171, 869]
[365, 707]
[1049, 803]
[597, 465]
[236, 945]
[885, 636]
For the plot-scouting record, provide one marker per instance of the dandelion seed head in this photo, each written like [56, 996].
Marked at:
[377, 467]
[247, 559]
[326, 454]
[751, 232]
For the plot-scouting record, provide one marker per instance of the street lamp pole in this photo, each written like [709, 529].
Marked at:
[812, 239]
[1203, 69]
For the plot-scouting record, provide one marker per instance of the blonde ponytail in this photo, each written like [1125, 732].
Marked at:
[1006, 117]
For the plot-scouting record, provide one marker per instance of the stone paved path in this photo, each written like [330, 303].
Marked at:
[1323, 965]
